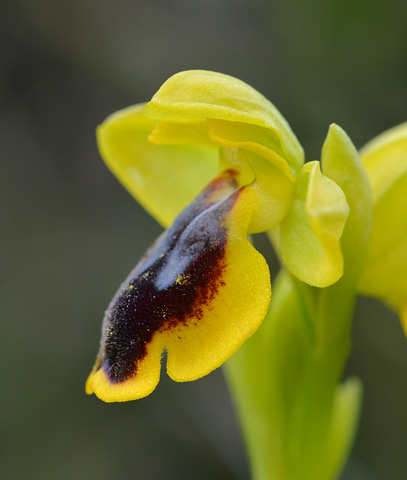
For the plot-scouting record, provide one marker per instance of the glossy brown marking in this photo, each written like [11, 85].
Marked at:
[179, 275]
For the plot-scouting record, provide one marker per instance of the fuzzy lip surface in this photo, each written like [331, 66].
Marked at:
[177, 277]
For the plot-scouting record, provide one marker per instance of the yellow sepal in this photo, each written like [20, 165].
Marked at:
[163, 178]
[385, 159]
[196, 95]
[385, 272]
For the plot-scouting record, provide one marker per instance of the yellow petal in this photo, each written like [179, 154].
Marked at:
[252, 146]
[252, 138]
[385, 272]
[310, 234]
[163, 178]
[198, 294]
[274, 191]
[196, 95]
[326, 206]
[384, 158]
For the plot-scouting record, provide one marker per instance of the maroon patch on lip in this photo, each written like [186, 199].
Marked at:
[180, 274]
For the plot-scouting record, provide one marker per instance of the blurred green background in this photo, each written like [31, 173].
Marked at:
[70, 232]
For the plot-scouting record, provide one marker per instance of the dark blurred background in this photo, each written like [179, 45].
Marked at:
[70, 232]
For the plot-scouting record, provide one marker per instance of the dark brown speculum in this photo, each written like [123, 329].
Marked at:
[179, 275]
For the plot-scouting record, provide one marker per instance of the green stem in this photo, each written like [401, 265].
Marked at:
[261, 399]
[284, 381]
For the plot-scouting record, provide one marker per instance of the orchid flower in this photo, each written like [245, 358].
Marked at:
[213, 161]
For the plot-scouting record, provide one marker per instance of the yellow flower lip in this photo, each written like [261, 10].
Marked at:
[168, 288]
[180, 296]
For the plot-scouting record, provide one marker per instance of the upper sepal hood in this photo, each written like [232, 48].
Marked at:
[166, 151]
[198, 95]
